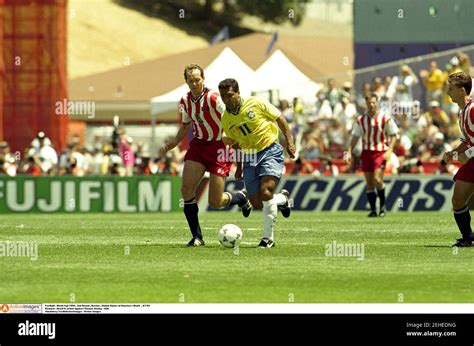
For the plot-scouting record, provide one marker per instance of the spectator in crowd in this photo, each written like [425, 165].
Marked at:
[345, 111]
[45, 153]
[332, 93]
[404, 86]
[464, 62]
[378, 87]
[31, 164]
[454, 131]
[452, 67]
[287, 111]
[347, 92]
[127, 153]
[8, 164]
[436, 114]
[322, 106]
[66, 161]
[360, 99]
[433, 80]
[312, 147]
[297, 107]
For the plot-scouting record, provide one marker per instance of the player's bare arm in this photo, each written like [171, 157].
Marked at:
[457, 154]
[391, 146]
[351, 148]
[290, 144]
[183, 130]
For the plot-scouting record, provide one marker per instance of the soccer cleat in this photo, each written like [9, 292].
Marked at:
[196, 242]
[382, 212]
[372, 214]
[246, 207]
[462, 243]
[266, 243]
[285, 208]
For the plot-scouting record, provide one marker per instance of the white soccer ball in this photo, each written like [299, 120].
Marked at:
[230, 236]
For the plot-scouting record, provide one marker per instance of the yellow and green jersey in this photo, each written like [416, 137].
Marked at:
[253, 127]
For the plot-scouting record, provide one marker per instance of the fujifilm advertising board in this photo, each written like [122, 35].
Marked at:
[89, 194]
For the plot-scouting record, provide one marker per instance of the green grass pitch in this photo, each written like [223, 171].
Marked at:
[85, 256]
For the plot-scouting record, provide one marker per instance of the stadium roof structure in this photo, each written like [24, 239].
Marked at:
[127, 91]
[226, 65]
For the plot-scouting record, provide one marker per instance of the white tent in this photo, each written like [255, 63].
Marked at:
[279, 74]
[226, 65]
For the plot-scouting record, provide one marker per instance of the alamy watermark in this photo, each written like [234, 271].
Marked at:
[336, 249]
[237, 155]
[20, 249]
[412, 109]
[86, 108]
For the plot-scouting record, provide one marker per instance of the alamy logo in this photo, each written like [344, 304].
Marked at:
[237, 155]
[8, 249]
[345, 250]
[75, 108]
[36, 329]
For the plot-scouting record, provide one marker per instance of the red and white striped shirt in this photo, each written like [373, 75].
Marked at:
[466, 123]
[375, 131]
[205, 112]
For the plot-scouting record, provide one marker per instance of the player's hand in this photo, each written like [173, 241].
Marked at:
[291, 150]
[448, 157]
[167, 147]
[239, 173]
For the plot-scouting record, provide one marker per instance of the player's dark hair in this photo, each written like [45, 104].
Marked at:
[229, 83]
[461, 80]
[189, 68]
[368, 97]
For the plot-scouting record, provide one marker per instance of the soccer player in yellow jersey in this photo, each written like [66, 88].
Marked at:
[252, 124]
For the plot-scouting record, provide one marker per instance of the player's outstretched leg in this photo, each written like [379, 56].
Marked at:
[218, 198]
[285, 207]
[243, 202]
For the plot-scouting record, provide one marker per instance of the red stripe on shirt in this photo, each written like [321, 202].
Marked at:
[376, 144]
[189, 110]
[369, 131]
[382, 133]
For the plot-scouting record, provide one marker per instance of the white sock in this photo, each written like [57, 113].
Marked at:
[279, 198]
[270, 211]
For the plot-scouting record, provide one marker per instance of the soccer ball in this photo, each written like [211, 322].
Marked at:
[230, 236]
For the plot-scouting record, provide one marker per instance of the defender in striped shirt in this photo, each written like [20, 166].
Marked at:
[203, 108]
[459, 89]
[378, 132]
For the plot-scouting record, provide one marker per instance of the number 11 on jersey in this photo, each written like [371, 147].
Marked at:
[245, 129]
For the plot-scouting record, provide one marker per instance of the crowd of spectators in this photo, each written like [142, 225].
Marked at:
[119, 156]
[322, 132]
[427, 128]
